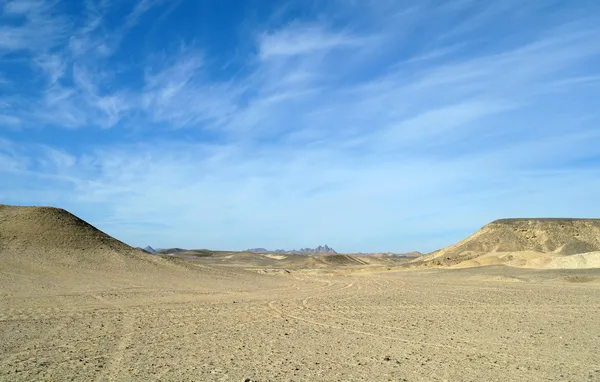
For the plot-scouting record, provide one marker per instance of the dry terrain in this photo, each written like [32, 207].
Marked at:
[496, 324]
[525, 243]
[118, 314]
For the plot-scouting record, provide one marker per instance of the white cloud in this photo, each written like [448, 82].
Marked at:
[53, 65]
[22, 7]
[141, 7]
[441, 125]
[42, 29]
[229, 196]
[179, 92]
[350, 135]
[9, 121]
[302, 39]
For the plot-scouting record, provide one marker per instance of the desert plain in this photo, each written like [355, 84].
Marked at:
[76, 304]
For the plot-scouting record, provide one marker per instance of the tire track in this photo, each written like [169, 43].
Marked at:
[117, 356]
[315, 323]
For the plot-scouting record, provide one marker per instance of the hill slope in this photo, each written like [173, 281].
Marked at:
[49, 251]
[51, 227]
[553, 237]
[50, 246]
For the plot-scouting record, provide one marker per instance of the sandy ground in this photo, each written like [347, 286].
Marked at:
[483, 324]
[530, 259]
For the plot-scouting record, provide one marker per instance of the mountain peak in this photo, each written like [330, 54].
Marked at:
[149, 249]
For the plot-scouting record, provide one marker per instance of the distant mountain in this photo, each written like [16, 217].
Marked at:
[149, 249]
[412, 254]
[321, 249]
[258, 250]
[165, 251]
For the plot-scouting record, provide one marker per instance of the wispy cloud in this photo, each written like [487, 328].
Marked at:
[178, 92]
[53, 66]
[31, 25]
[372, 126]
[305, 39]
[9, 121]
[233, 192]
[141, 7]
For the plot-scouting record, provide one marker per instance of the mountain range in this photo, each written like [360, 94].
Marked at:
[321, 249]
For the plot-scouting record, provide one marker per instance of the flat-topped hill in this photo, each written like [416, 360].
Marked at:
[556, 236]
[545, 220]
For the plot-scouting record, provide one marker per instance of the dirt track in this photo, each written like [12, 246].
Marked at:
[470, 325]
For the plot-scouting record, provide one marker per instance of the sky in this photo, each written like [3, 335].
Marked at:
[367, 125]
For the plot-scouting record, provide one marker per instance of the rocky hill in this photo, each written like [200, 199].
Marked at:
[49, 229]
[56, 247]
[556, 237]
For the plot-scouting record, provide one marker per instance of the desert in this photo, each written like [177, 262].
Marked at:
[76, 304]
[300, 190]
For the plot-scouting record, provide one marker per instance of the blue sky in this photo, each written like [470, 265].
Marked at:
[366, 125]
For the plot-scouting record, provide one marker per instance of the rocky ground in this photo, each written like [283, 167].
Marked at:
[227, 324]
